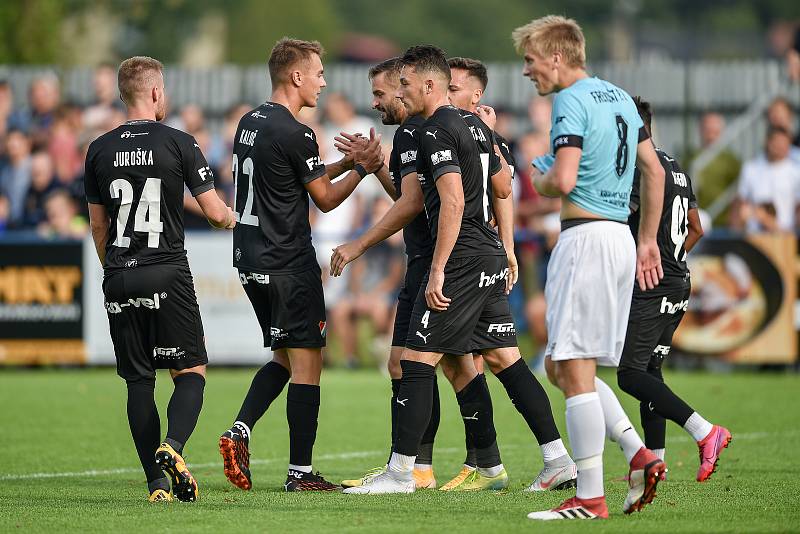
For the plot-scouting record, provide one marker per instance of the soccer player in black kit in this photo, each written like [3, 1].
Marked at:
[135, 178]
[276, 166]
[656, 313]
[463, 308]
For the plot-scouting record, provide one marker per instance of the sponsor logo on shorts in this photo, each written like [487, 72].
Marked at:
[486, 280]
[141, 302]
[131, 263]
[672, 309]
[258, 278]
[277, 333]
[502, 328]
[323, 328]
[166, 353]
[238, 254]
[662, 349]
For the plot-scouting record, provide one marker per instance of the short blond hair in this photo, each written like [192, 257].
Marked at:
[135, 75]
[550, 35]
[287, 53]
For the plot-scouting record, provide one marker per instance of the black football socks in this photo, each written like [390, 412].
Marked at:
[302, 413]
[414, 400]
[184, 409]
[530, 400]
[267, 384]
[475, 405]
[145, 428]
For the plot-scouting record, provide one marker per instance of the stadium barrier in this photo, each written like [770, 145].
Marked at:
[52, 311]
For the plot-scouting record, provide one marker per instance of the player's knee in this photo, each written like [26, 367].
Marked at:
[141, 383]
[627, 380]
[198, 369]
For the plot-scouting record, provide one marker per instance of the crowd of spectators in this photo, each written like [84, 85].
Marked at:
[43, 141]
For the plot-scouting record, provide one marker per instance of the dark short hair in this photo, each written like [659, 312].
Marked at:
[287, 53]
[645, 111]
[475, 68]
[390, 66]
[427, 58]
[133, 75]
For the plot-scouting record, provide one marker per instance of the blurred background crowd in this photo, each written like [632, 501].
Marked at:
[44, 135]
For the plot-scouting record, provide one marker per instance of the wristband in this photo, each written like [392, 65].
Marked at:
[362, 172]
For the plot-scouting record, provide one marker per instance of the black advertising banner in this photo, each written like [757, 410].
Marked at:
[742, 304]
[41, 302]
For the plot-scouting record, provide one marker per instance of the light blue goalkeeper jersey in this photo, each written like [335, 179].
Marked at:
[601, 119]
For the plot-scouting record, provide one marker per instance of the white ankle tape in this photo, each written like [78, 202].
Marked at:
[590, 462]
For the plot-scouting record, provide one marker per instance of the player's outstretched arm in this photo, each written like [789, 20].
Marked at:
[560, 179]
[99, 223]
[348, 144]
[327, 195]
[402, 212]
[218, 214]
[695, 229]
[504, 213]
[451, 211]
[648, 259]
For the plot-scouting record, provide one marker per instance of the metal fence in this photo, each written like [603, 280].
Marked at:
[677, 90]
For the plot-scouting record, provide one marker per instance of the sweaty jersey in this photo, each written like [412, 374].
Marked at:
[274, 156]
[601, 119]
[490, 161]
[446, 144]
[673, 227]
[402, 161]
[138, 172]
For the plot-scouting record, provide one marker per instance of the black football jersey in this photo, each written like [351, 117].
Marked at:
[673, 228]
[505, 151]
[490, 161]
[274, 156]
[138, 172]
[446, 144]
[402, 161]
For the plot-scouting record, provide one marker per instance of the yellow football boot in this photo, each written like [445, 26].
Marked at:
[184, 486]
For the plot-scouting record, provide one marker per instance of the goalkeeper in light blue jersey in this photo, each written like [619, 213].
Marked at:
[597, 139]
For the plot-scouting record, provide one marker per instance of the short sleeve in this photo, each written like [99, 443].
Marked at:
[90, 179]
[495, 165]
[406, 145]
[569, 122]
[505, 150]
[197, 175]
[439, 146]
[302, 151]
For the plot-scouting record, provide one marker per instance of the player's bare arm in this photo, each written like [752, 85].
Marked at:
[560, 179]
[451, 195]
[99, 223]
[328, 195]
[219, 214]
[648, 259]
[695, 229]
[408, 206]
[504, 213]
[347, 144]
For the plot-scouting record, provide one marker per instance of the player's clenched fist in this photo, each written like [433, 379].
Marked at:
[433, 292]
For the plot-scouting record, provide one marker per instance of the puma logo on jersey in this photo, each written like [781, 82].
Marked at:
[432, 134]
[424, 338]
[672, 309]
[133, 158]
[409, 132]
[309, 135]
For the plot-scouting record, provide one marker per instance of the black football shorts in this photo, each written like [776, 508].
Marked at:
[290, 307]
[416, 271]
[154, 320]
[478, 318]
[655, 315]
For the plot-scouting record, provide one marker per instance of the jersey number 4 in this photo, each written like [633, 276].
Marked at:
[148, 211]
[245, 216]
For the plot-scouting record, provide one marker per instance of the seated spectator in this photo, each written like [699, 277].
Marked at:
[769, 188]
[15, 174]
[721, 172]
[42, 184]
[62, 218]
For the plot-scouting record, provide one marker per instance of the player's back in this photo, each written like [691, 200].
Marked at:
[274, 156]
[447, 145]
[138, 172]
[673, 225]
[490, 162]
[601, 119]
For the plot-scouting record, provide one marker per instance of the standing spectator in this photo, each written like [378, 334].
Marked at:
[15, 174]
[42, 184]
[769, 187]
[721, 172]
[106, 98]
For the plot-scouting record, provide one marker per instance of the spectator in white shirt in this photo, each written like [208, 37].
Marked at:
[769, 187]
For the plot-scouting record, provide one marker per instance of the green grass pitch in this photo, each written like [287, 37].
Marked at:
[67, 462]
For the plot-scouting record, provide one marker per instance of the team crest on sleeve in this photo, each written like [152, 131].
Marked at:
[323, 328]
